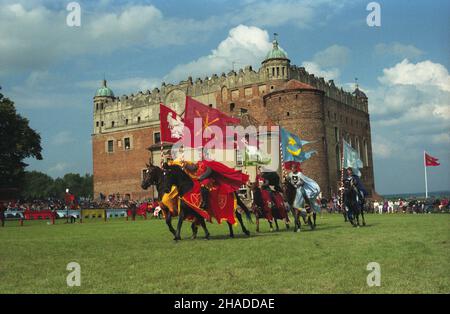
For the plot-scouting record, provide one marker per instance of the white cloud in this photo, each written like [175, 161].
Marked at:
[425, 73]
[245, 45]
[398, 50]
[43, 34]
[410, 110]
[327, 74]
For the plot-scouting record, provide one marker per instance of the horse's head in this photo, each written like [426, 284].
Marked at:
[152, 175]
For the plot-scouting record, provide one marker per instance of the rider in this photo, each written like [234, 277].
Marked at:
[307, 189]
[215, 175]
[349, 177]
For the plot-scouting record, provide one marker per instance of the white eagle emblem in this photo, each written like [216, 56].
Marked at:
[175, 125]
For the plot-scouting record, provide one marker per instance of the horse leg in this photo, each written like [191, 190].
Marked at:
[276, 224]
[180, 223]
[194, 229]
[169, 223]
[270, 225]
[314, 218]
[230, 226]
[294, 213]
[362, 216]
[239, 217]
[203, 224]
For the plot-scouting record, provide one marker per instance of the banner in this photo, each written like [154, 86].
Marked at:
[351, 159]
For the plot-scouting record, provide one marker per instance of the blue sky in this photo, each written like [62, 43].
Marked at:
[52, 71]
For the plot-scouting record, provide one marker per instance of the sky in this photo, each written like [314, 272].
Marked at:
[51, 71]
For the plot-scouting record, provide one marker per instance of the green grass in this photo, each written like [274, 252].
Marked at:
[140, 257]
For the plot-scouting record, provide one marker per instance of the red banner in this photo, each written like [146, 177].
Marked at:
[431, 161]
[202, 121]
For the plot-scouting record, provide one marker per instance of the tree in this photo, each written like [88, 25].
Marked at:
[18, 141]
[37, 185]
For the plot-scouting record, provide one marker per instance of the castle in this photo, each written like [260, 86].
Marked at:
[127, 127]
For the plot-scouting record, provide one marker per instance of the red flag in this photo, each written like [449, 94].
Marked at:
[201, 120]
[171, 125]
[431, 161]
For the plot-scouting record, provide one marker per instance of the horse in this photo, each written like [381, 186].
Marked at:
[176, 176]
[154, 175]
[352, 203]
[264, 207]
[308, 216]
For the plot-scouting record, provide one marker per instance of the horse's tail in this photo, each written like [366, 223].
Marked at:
[241, 204]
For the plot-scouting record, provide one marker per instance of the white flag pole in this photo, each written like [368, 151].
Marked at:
[426, 181]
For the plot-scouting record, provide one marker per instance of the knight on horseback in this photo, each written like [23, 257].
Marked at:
[353, 202]
[307, 191]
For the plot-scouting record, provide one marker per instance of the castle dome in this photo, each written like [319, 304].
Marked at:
[276, 52]
[104, 91]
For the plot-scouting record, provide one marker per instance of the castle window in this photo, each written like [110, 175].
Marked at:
[279, 99]
[110, 146]
[271, 87]
[296, 96]
[112, 124]
[127, 143]
[287, 113]
[282, 71]
[126, 121]
[103, 123]
[210, 105]
[156, 137]
[232, 105]
[278, 71]
[139, 119]
[96, 106]
[97, 123]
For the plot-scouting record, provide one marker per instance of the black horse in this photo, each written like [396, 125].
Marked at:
[309, 217]
[156, 176]
[353, 203]
[176, 176]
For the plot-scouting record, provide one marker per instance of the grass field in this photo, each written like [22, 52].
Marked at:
[121, 256]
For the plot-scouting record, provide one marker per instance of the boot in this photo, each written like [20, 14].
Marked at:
[205, 195]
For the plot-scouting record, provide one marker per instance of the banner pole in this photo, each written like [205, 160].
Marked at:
[341, 198]
[426, 179]
[283, 171]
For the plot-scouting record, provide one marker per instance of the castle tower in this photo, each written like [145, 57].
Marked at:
[102, 96]
[276, 64]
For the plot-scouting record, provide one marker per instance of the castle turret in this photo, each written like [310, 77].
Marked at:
[102, 96]
[276, 64]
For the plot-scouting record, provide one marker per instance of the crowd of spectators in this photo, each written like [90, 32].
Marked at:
[385, 206]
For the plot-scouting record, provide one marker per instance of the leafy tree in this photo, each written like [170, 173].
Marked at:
[37, 185]
[18, 141]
